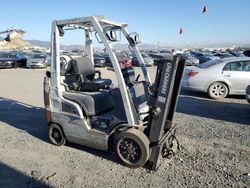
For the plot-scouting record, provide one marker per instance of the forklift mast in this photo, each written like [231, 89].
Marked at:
[162, 106]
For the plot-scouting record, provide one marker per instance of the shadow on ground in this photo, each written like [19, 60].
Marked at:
[32, 120]
[24, 117]
[102, 154]
[8, 174]
[197, 104]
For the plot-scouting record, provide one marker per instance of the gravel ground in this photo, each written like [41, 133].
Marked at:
[214, 138]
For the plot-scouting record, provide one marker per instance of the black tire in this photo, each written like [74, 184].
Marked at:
[132, 148]
[56, 135]
[217, 90]
[15, 65]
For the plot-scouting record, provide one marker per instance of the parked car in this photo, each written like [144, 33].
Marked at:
[248, 93]
[37, 60]
[8, 60]
[124, 59]
[203, 56]
[48, 58]
[222, 55]
[219, 77]
[27, 54]
[17, 57]
[206, 57]
[190, 60]
[99, 60]
[156, 55]
[196, 54]
[236, 53]
[247, 53]
[37, 52]
[147, 60]
[76, 53]
[21, 59]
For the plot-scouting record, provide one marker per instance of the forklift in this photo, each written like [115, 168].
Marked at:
[132, 120]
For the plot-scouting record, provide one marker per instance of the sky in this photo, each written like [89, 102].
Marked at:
[157, 21]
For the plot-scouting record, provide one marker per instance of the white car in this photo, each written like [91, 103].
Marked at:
[37, 60]
[218, 78]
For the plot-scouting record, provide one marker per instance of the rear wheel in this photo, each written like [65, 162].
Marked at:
[132, 148]
[217, 90]
[56, 135]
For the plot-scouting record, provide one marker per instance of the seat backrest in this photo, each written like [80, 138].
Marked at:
[85, 68]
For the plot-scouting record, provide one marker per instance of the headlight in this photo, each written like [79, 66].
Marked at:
[41, 62]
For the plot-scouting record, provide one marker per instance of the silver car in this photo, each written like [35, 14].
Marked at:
[37, 60]
[218, 78]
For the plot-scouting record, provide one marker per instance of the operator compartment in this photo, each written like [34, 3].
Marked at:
[97, 97]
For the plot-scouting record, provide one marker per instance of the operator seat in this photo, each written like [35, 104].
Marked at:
[93, 103]
[80, 76]
[86, 71]
[84, 89]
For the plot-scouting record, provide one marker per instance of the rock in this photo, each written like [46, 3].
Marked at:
[35, 174]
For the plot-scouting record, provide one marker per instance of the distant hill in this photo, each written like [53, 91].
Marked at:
[143, 46]
[46, 44]
[118, 46]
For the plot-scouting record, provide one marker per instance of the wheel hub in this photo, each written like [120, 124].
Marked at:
[218, 90]
[129, 150]
[55, 135]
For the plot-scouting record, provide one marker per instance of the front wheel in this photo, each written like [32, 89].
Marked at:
[217, 90]
[132, 148]
[56, 135]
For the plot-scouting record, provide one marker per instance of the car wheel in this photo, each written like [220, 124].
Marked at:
[132, 148]
[217, 90]
[56, 135]
[15, 65]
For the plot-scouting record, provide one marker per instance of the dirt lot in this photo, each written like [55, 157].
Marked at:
[214, 138]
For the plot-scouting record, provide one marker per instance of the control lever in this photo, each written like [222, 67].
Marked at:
[137, 78]
[110, 68]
